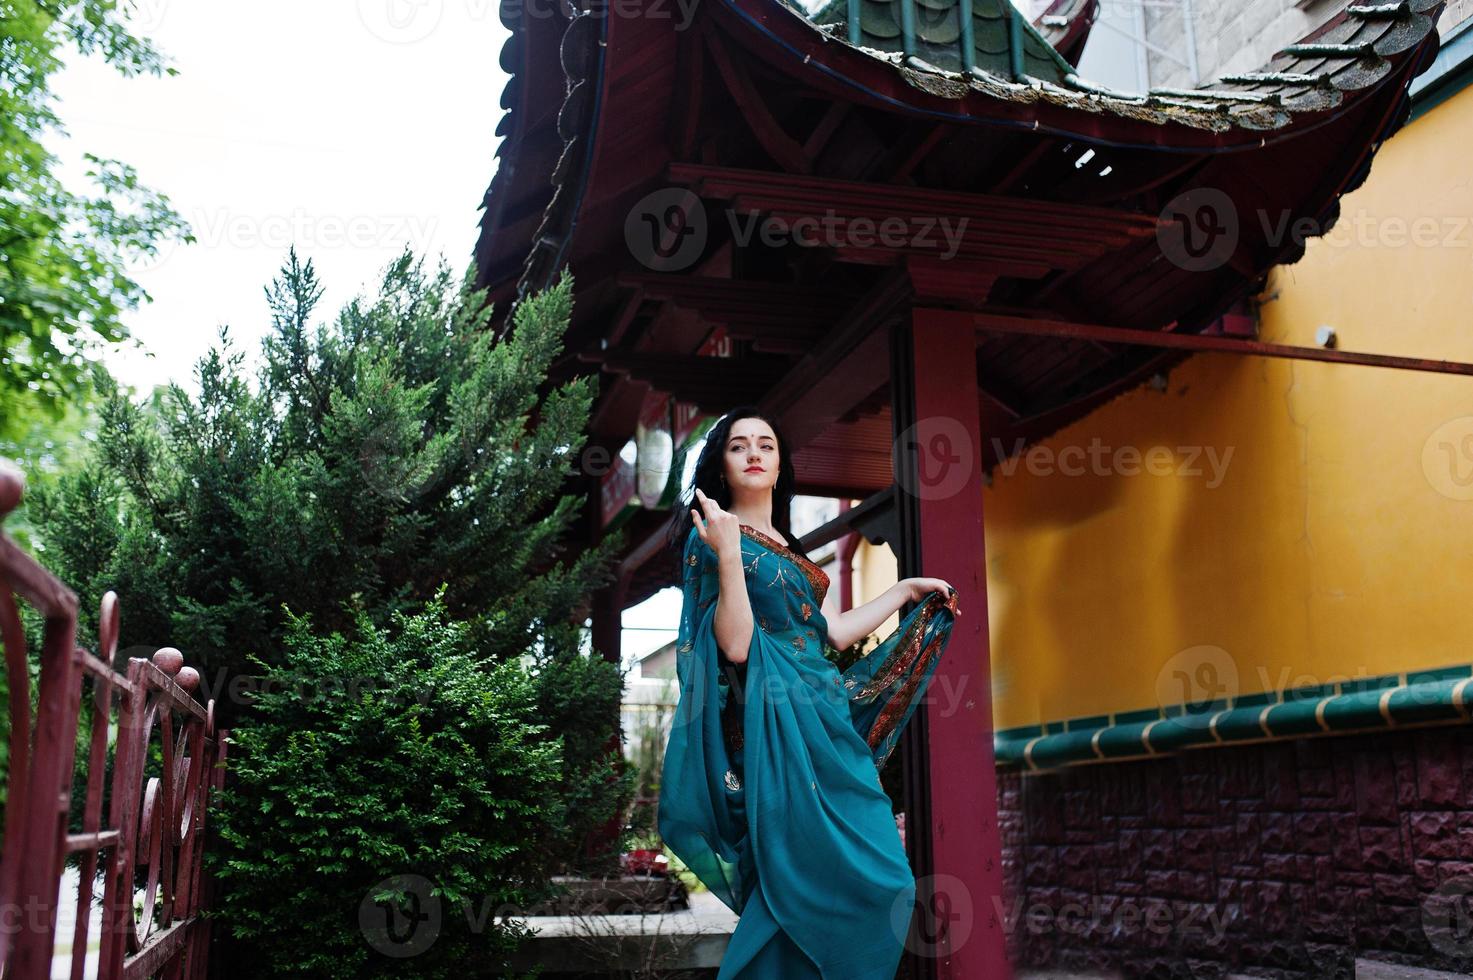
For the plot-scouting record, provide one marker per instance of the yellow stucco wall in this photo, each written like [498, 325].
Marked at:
[875, 570]
[1334, 538]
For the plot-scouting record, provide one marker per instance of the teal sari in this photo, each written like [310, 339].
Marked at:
[770, 793]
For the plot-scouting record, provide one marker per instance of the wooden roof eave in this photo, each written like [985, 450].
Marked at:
[570, 86]
[515, 186]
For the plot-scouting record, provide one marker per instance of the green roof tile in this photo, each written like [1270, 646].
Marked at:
[938, 27]
[878, 20]
[941, 30]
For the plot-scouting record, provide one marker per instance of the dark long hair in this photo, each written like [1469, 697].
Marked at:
[707, 476]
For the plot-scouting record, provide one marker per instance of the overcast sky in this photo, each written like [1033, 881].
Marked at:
[331, 125]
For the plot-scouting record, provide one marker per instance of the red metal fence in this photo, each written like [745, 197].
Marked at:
[156, 813]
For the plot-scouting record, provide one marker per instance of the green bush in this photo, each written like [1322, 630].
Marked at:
[389, 752]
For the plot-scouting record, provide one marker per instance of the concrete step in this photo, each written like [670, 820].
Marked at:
[1365, 969]
[1377, 970]
[689, 939]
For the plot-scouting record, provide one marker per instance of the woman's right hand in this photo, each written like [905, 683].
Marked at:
[721, 530]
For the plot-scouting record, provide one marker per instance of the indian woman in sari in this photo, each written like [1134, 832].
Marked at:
[770, 793]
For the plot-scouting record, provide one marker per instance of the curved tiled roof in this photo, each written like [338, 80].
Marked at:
[1055, 39]
[1353, 51]
[1064, 25]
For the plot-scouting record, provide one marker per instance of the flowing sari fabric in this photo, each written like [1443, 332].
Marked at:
[782, 816]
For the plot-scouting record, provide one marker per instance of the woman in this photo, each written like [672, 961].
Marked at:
[771, 792]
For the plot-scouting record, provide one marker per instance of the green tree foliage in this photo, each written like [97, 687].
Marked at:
[396, 449]
[64, 281]
[45, 444]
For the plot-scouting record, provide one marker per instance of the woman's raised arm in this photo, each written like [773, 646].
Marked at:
[722, 531]
[847, 628]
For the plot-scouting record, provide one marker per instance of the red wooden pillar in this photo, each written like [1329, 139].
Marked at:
[606, 610]
[962, 898]
[607, 628]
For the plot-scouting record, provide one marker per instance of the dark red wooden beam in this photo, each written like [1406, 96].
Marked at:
[1000, 393]
[775, 317]
[808, 194]
[844, 369]
[836, 113]
[785, 151]
[685, 118]
[910, 155]
[715, 293]
[1001, 323]
[705, 381]
[880, 223]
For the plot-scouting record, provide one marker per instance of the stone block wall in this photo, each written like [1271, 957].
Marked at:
[1281, 859]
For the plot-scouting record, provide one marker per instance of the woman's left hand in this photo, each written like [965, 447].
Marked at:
[922, 587]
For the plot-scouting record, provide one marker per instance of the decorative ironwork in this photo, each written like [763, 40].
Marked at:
[156, 821]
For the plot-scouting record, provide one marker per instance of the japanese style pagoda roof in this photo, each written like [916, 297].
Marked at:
[1070, 192]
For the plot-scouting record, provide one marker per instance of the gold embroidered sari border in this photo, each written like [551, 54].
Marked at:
[818, 579]
[905, 651]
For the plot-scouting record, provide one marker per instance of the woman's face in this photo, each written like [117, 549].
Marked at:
[751, 458]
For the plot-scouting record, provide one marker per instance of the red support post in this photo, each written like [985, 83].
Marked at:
[963, 899]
